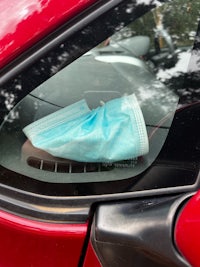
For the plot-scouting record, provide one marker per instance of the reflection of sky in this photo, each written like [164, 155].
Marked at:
[14, 11]
[194, 65]
[147, 2]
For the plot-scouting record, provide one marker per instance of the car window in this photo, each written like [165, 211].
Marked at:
[144, 62]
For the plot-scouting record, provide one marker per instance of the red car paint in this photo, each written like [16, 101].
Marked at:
[187, 234]
[25, 242]
[24, 22]
[91, 259]
[29, 243]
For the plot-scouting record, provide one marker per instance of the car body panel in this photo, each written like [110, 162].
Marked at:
[187, 235]
[25, 242]
[26, 22]
[91, 258]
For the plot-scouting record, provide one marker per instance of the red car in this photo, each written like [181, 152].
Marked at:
[141, 211]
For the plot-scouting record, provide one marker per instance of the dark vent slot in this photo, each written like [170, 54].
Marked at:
[67, 167]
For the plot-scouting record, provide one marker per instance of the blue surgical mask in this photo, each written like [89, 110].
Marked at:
[113, 132]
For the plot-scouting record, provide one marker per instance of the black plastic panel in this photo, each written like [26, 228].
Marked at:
[137, 233]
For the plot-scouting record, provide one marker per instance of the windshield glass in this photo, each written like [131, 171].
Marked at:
[111, 109]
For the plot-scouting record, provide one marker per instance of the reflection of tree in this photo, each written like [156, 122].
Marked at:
[9, 96]
[18, 87]
[187, 86]
[181, 21]
[183, 18]
[187, 83]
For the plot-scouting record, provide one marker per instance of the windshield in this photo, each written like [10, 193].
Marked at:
[150, 60]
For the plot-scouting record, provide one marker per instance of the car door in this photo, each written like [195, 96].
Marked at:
[85, 209]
